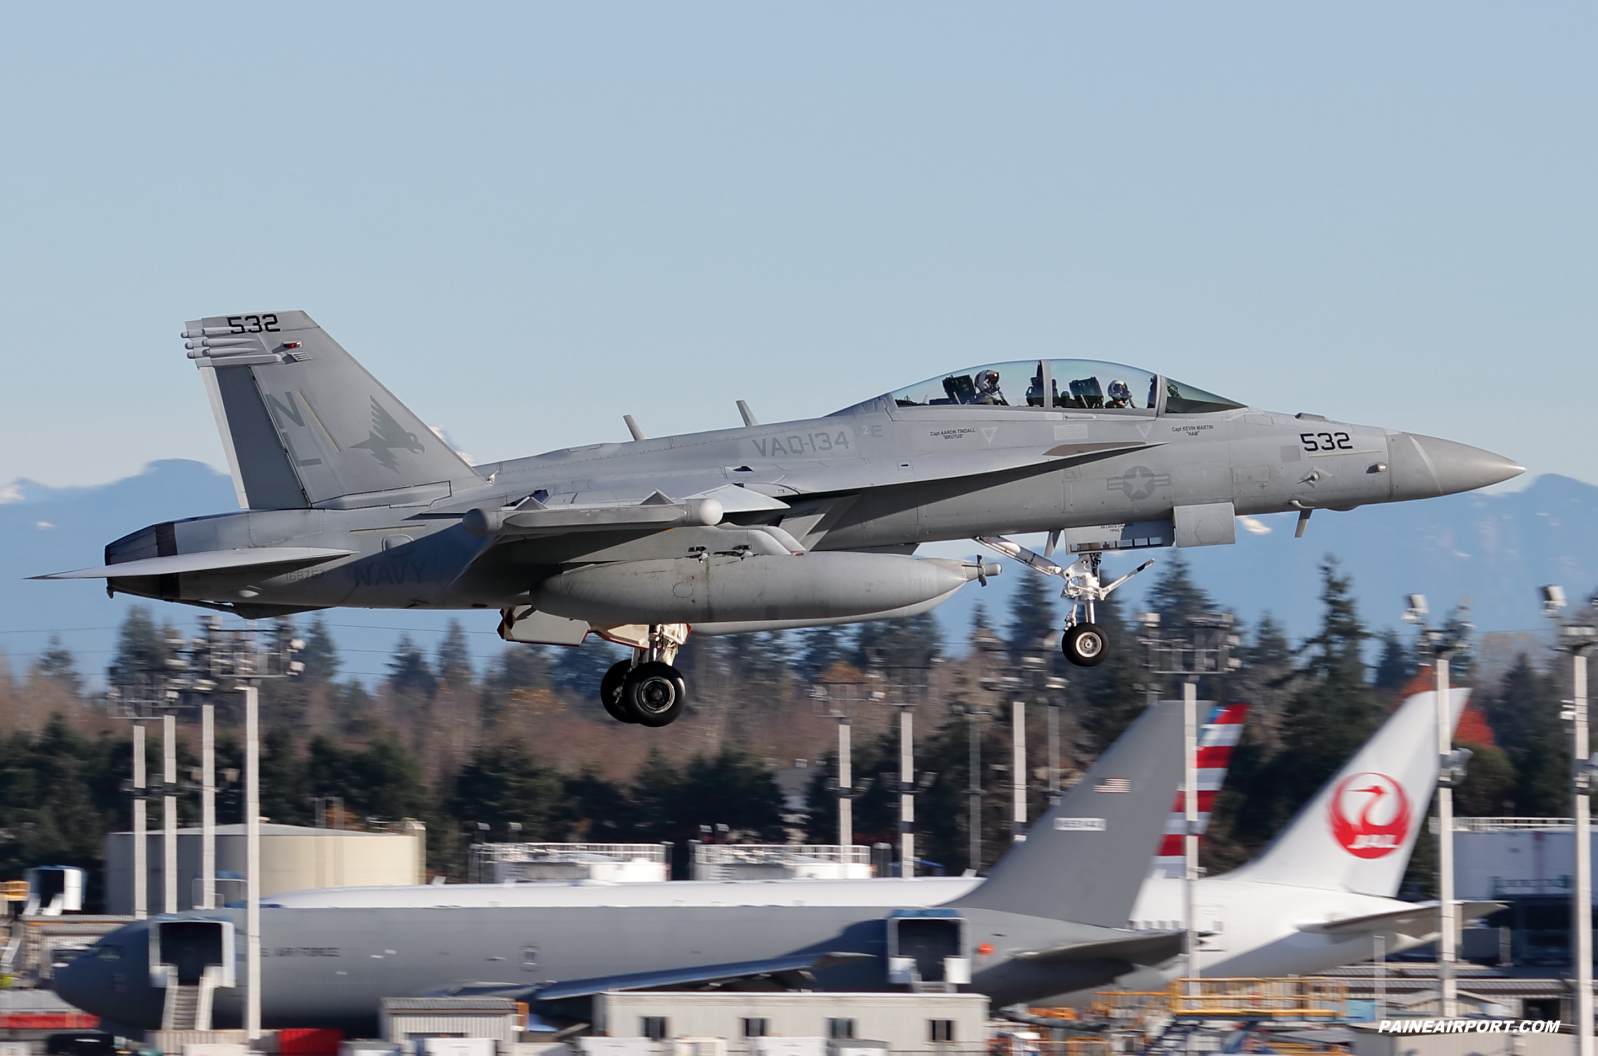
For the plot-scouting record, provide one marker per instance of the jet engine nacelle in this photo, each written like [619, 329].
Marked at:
[724, 588]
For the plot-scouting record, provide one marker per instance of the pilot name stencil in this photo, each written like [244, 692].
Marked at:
[799, 443]
[952, 434]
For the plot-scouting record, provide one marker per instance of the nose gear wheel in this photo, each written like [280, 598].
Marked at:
[1085, 645]
[1084, 642]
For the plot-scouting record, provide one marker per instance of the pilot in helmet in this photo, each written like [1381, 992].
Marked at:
[988, 388]
[1120, 395]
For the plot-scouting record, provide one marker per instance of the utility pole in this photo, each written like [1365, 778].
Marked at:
[1444, 643]
[1576, 636]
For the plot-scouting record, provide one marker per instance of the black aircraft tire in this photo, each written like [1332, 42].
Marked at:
[654, 693]
[610, 691]
[1085, 645]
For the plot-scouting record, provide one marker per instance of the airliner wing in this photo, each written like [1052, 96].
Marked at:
[705, 976]
[1419, 918]
[1144, 949]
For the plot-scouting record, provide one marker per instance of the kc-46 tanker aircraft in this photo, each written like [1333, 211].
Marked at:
[348, 499]
[1050, 917]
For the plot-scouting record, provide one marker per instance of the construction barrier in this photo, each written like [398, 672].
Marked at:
[48, 1021]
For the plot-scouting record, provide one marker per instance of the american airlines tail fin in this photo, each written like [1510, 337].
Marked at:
[1357, 832]
[1217, 737]
[1085, 858]
[305, 425]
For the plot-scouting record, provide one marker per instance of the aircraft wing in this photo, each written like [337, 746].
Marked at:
[1418, 918]
[658, 512]
[1143, 949]
[207, 561]
[708, 975]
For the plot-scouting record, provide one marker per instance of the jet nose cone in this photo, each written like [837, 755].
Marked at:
[72, 983]
[1424, 466]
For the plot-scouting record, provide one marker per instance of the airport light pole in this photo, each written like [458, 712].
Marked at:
[835, 700]
[1204, 650]
[1444, 643]
[141, 849]
[169, 812]
[1576, 636]
[207, 806]
[908, 694]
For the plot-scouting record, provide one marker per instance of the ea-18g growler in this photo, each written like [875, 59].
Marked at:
[349, 500]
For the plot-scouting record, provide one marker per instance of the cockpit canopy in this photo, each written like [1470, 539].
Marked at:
[1080, 384]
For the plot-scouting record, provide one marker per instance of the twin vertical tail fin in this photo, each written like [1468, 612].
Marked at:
[304, 424]
[1357, 833]
[1085, 858]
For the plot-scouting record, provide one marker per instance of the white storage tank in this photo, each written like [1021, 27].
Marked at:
[293, 858]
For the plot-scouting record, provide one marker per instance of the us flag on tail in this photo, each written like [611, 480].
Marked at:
[1217, 737]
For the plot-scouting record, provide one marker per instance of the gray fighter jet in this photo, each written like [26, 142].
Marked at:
[1051, 917]
[350, 500]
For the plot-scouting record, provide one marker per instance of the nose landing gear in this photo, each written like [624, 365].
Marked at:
[1084, 642]
[646, 689]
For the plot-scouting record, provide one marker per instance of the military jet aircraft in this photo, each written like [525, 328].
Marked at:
[349, 500]
[1050, 917]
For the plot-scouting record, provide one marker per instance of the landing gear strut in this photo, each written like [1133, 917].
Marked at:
[646, 689]
[1083, 642]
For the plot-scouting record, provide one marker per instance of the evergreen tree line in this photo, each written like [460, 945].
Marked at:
[523, 748]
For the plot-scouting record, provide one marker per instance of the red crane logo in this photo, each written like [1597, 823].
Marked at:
[1370, 815]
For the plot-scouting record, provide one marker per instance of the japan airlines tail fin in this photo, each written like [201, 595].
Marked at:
[304, 424]
[1217, 737]
[1357, 832]
[1085, 858]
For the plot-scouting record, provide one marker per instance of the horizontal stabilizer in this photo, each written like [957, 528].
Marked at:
[1419, 918]
[207, 561]
[1144, 949]
[701, 976]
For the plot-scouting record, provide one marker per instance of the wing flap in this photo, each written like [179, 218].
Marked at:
[206, 561]
[703, 975]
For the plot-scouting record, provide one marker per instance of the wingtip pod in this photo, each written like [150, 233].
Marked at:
[1357, 832]
[1085, 858]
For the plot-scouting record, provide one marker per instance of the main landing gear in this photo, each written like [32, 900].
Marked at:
[1084, 642]
[646, 689]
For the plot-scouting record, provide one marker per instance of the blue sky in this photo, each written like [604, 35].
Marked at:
[530, 219]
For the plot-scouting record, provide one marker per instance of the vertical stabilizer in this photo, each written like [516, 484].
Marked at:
[1085, 858]
[1217, 737]
[304, 424]
[1357, 832]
